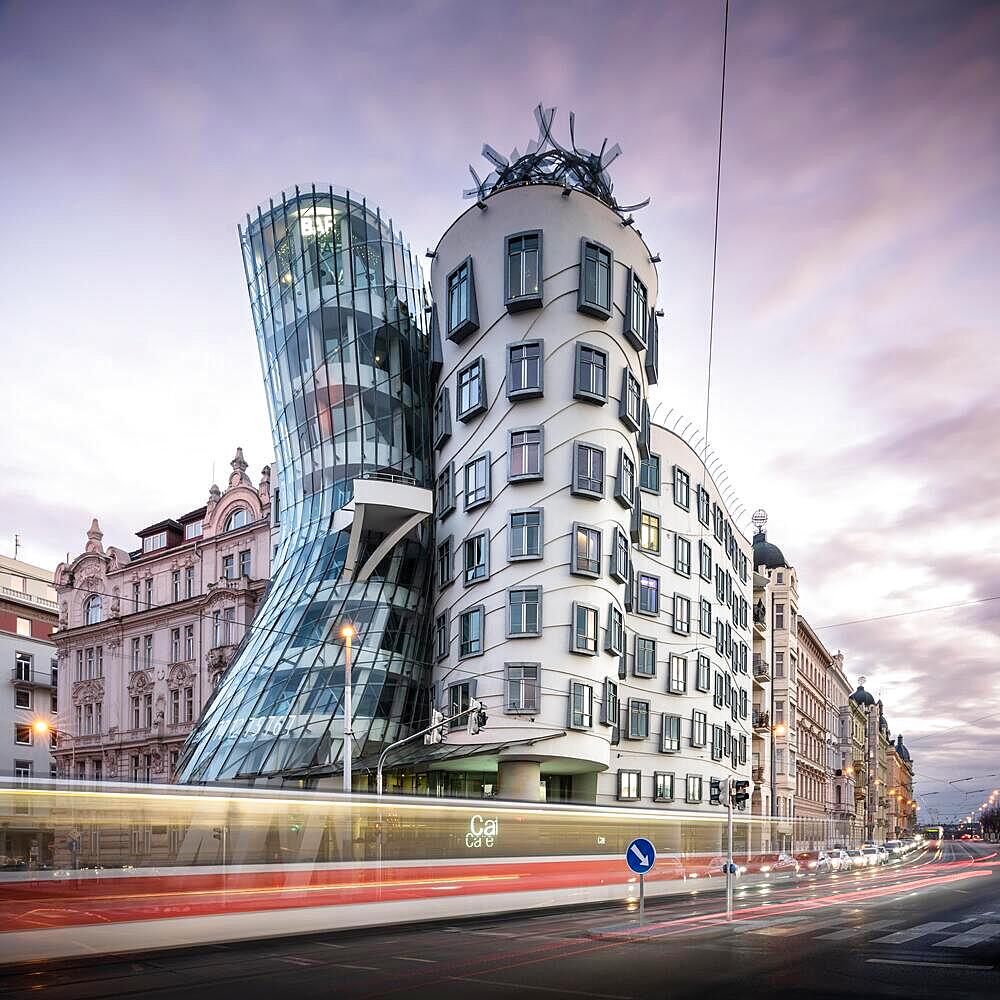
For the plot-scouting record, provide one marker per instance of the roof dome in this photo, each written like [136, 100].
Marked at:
[901, 750]
[862, 697]
[766, 554]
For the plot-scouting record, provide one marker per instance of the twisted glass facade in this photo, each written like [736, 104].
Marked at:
[338, 309]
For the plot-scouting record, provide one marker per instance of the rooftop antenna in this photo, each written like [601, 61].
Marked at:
[17, 544]
[759, 519]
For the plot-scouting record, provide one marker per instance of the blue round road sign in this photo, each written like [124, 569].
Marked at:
[640, 855]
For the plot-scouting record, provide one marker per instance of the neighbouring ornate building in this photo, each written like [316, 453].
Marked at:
[144, 635]
[813, 724]
[902, 807]
[846, 745]
[763, 697]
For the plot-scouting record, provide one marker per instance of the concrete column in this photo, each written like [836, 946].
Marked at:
[520, 780]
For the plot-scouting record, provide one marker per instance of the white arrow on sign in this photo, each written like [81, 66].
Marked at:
[643, 860]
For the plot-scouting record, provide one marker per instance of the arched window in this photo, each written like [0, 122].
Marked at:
[92, 610]
[238, 518]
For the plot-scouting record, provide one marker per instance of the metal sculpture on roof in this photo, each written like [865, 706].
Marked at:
[546, 161]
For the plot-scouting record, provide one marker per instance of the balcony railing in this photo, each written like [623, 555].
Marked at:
[20, 595]
[761, 720]
[25, 675]
[761, 669]
[758, 774]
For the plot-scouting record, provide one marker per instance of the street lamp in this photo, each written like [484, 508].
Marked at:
[347, 634]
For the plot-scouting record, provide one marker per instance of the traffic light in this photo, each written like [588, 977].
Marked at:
[436, 735]
[477, 717]
[741, 792]
[718, 788]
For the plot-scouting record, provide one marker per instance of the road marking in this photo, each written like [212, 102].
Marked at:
[363, 968]
[935, 965]
[912, 933]
[539, 989]
[787, 931]
[406, 958]
[503, 934]
[975, 935]
[852, 932]
[330, 944]
[294, 961]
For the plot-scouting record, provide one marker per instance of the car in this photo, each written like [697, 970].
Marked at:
[894, 847]
[772, 864]
[857, 859]
[840, 860]
[871, 855]
[883, 855]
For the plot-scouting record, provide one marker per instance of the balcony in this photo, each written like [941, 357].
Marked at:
[761, 670]
[760, 619]
[761, 720]
[757, 774]
[219, 656]
[21, 674]
[24, 598]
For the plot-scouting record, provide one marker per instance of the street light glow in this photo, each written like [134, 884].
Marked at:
[347, 632]
[40, 726]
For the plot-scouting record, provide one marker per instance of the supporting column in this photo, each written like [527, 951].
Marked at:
[520, 780]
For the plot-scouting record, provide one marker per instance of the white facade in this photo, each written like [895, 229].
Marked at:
[575, 620]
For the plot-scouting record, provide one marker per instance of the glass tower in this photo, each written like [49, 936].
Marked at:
[338, 307]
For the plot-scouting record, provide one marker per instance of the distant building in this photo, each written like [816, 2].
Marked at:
[29, 687]
[145, 635]
[812, 766]
[763, 698]
[901, 804]
[846, 745]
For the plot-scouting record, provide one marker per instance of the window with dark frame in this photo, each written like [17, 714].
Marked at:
[523, 275]
[682, 555]
[476, 558]
[463, 315]
[625, 479]
[525, 370]
[444, 489]
[478, 489]
[628, 785]
[444, 563]
[596, 269]
[522, 684]
[525, 534]
[441, 637]
[703, 674]
[703, 505]
[649, 593]
[682, 488]
[620, 556]
[649, 532]
[663, 786]
[638, 719]
[630, 407]
[636, 328]
[588, 470]
[677, 674]
[525, 454]
[586, 556]
[524, 612]
[649, 474]
[581, 705]
[591, 374]
[706, 617]
[615, 631]
[442, 417]
[705, 560]
[471, 628]
[699, 728]
[670, 740]
[471, 383]
[585, 626]
[644, 659]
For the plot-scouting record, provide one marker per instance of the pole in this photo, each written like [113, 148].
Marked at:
[642, 898]
[729, 857]
[348, 726]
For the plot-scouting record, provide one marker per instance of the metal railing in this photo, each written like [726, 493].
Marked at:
[761, 720]
[21, 595]
[38, 678]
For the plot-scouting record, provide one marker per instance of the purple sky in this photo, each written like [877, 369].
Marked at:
[855, 378]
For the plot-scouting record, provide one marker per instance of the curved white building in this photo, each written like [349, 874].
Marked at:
[590, 586]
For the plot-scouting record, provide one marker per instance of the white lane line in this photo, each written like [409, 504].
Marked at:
[935, 965]
[407, 958]
[974, 935]
[912, 933]
[847, 933]
[294, 961]
[363, 968]
[786, 931]
[503, 934]
[539, 989]
[330, 944]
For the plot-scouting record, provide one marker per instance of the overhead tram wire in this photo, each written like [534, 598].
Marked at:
[916, 611]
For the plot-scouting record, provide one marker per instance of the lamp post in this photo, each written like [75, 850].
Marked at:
[347, 634]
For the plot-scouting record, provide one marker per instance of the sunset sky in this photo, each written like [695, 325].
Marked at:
[856, 371]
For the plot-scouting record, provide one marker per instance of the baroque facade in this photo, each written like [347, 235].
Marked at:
[144, 635]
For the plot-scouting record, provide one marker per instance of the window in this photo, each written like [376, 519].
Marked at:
[458, 701]
[245, 562]
[705, 560]
[718, 742]
[588, 471]
[644, 661]
[524, 611]
[649, 594]
[523, 278]
[525, 454]
[699, 728]
[189, 704]
[649, 474]
[525, 369]
[703, 674]
[620, 557]
[153, 542]
[188, 642]
[229, 566]
[670, 741]
[444, 563]
[638, 719]
[135, 596]
[193, 529]
[472, 624]
[636, 328]
[625, 480]
[189, 582]
[92, 610]
[525, 539]
[24, 768]
[229, 626]
[614, 641]
[692, 788]
[136, 652]
[596, 268]
[581, 705]
[703, 505]
[238, 518]
[779, 616]
[444, 491]
[23, 667]
[147, 706]
[705, 623]
[136, 712]
[149, 592]
[630, 407]
[175, 585]
[463, 315]
[216, 628]
[441, 637]
[478, 486]
[682, 615]
[677, 679]
[442, 417]
[22, 698]
[591, 378]
[649, 532]
[682, 488]
[682, 555]
[148, 652]
[584, 630]
[175, 645]
[779, 663]
[586, 559]
[628, 785]
[175, 706]
[471, 390]
[663, 786]
[522, 687]
[476, 558]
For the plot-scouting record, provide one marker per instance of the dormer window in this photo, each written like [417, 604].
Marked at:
[193, 529]
[238, 518]
[153, 542]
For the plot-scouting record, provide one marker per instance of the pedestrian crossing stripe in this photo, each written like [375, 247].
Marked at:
[973, 936]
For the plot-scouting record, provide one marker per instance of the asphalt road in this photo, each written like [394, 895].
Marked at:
[925, 927]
